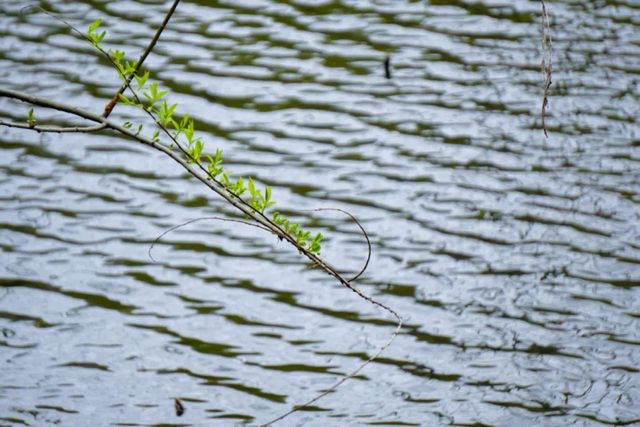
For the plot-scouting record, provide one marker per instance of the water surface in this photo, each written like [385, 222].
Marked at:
[515, 259]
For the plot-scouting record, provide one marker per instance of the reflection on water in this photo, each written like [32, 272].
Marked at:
[515, 259]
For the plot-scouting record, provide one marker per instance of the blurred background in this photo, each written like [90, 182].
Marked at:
[515, 259]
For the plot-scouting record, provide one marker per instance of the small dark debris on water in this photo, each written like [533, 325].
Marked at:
[387, 66]
[179, 407]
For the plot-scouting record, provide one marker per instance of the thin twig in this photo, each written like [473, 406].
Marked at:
[86, 129]
[366, 236]
[109, 107]
[202, 219]
[53, 15]
[547, 68]
[348, 377]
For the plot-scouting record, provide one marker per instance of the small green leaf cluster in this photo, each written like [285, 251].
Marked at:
[125, 68]
[31, 120]
[217, 172]
[127, 125]
[117, 55]
[302, 237]
[258, 201]
[93, 35]
[163, 112]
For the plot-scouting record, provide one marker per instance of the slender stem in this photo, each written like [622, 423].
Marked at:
[547, 69]
[364, 233]
[205, 218]
[86, 129]
[109, 107]
[336, 385]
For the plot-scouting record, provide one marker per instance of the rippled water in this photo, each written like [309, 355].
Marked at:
[515, 259]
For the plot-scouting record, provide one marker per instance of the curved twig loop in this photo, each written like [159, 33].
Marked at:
[202, 219]
[366, 236]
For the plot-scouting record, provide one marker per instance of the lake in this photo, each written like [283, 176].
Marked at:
[513, 258]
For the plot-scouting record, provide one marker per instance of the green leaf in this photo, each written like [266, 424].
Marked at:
[213, 163]
[252, 188]
[225, 178]
[31, 120]
[129, 68]
[124, 100]
[148, 96]
[153, 90]
[317, 238]
[294, 228]
[315, 249]
[164, 114]
[238, 187]
[117, 54]
[189, 131]
[95, 25]
[142, 80]
[172, 109]
[196, 151]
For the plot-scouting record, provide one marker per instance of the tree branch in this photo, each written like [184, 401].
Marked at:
[109, 107]
[215, 186]
[39, 129]
[547, 68]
